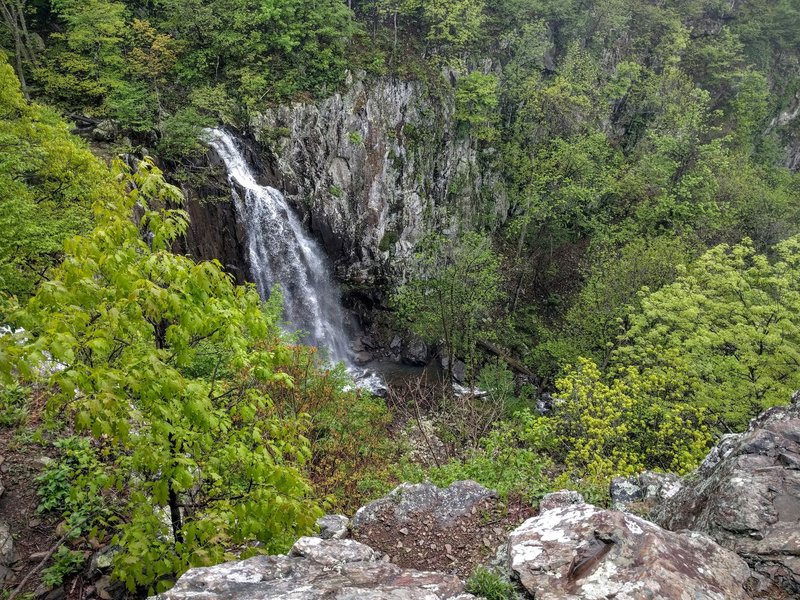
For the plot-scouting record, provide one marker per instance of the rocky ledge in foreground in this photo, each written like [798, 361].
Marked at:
[572, 551]
[578, 551]
[313, 570]
[746, 496]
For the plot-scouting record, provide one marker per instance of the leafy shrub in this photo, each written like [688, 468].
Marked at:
[72, 484]
[626, 425]
[347, 429]
[489, 584]
[13, 405]
[180, 134]
[512, 458]
[65, 563]
[55, 483]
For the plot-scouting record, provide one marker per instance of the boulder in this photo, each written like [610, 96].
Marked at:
[746, 496]
[362, 358]
[105, 131]
[415, 352]
[333, 527]
[316, 569]
[102, 561]
[559, 499]
[459, 369]
[580, 551]
[648, 488]
[442, 505]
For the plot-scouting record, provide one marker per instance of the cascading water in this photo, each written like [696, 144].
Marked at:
[280, 252]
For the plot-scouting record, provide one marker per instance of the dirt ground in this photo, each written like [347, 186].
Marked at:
[33, 533]
[457, 547]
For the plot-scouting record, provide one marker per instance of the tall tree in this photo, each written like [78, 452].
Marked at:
[450, 299]
[161, 358]
[730, 322]
[12, 13]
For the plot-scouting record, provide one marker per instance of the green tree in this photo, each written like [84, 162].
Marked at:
[731, 319]
[455, 288]
[85, 63]
[48, 182]
[626, 423]
[595, 321]
[261, 50]
[453, 24]
[161, 358]
[476, 105]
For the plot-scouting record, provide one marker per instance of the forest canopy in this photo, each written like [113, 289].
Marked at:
[641, 280]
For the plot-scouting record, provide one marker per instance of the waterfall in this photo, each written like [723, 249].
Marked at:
[281, 252]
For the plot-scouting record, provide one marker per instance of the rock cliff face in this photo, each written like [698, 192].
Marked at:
[375, 167]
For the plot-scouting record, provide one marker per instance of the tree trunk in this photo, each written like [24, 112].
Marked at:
[174, 507]
[13, 16]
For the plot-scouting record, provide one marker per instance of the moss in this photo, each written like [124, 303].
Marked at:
[273, 135]
[388, 241]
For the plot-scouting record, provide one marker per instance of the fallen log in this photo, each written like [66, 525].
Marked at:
[510, 361]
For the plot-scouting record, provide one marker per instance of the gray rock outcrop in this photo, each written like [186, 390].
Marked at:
[375, 167]
[560, 499]
[746, 496]
[333, 527]
[581, 552]
[316, 569]
[648, 488]
[442, 505]
[7, 554]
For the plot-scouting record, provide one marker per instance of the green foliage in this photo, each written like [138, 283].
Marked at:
[476, 105]
[65, 563]
[261, 51]
[129, 320]
[180, 135]
[60, 485]
[456, 287]
[348, 429]
[627, 424]
[452, 24]
[729, 323]
[13, 405]
[597, 318]
[512, 458]
[489, 584]
[48, 181]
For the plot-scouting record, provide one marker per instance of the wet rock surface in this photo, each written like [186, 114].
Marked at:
[316, 569]
[746, 496]
[580, 551]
